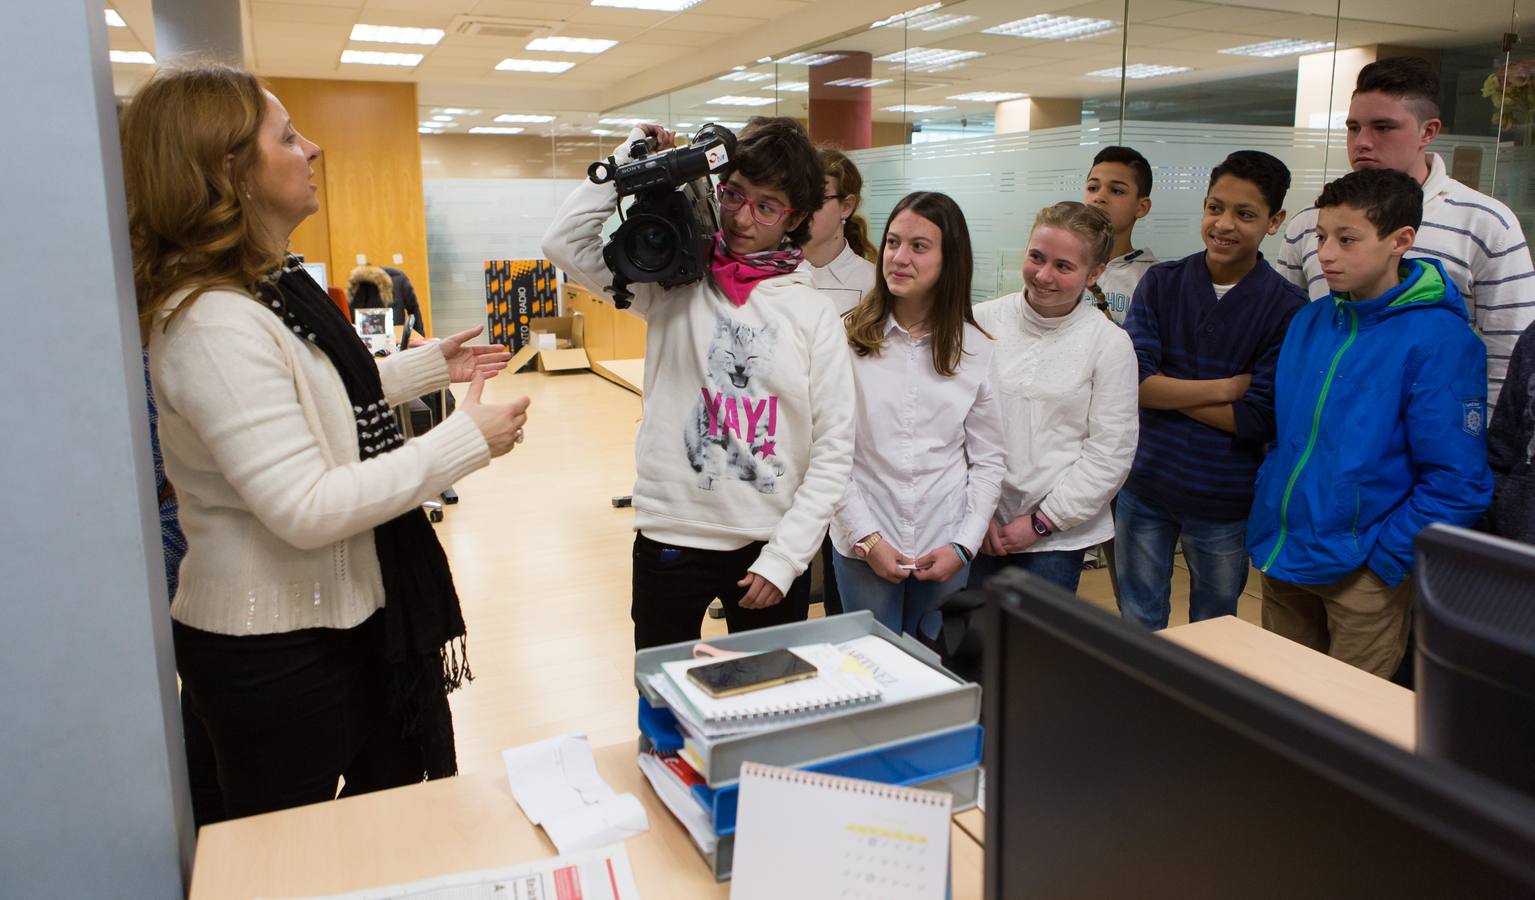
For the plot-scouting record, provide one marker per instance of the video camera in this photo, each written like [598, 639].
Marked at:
[667, 235]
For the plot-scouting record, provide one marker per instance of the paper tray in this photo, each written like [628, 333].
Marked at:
[963, 786]
[915, 762]
[857, 729]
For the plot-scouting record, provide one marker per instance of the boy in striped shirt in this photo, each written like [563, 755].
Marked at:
[1393, 116]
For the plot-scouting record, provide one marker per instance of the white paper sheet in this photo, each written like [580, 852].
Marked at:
[555, 781]
[677, 798]
[594, 875]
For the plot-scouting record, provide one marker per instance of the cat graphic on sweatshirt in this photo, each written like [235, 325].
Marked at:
[732, 433]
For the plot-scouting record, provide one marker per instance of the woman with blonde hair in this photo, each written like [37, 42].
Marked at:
[927, 459]
[316, 627]
[1067, 379]
[839, 251]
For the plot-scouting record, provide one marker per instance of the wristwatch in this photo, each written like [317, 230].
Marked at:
[1041, 527]
[863, 548]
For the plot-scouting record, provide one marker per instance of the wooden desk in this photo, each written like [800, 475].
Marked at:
[454, 825]
[1364, 701]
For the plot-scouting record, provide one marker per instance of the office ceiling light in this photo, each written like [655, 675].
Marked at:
[621, 121]
[1052, 28]
[733, 100]
[684, 124]
[1139, 71]
[917, 108]
[114, 20]
[569, 45]
[809, 59]
[859, 82]
[938, 22]
[425, 130]
[548, 66]
[901, 17]
[390, 34]
[132, 57]
[923, 59]
[379, 58]
[651, 5]
[746, 76]
[456, 111]
[731, 125]
[442, 118]
[435, 124]
[987, 96]
[494, 129]
[524, 118]
[925, 21]
[603, 132]
[1271, 49]
[790, 87]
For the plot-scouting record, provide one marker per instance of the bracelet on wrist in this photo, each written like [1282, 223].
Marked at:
[964, 552]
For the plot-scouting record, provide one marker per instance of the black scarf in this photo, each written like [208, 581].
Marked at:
[424, 640]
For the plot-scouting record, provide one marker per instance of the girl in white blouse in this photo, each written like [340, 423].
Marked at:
[1066, 376]
[838, 250]
[927, 459]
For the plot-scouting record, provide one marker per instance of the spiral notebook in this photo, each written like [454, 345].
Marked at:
[840, 681]
[846, 838]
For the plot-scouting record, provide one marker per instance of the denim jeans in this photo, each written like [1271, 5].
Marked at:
[1145, 536]
[910, 607]
[1062, 567]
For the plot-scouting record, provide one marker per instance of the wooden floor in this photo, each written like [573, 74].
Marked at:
[541, 560]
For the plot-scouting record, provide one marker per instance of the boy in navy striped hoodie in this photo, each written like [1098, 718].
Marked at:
[1207, 331]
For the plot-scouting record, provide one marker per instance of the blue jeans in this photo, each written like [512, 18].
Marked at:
[1062, 567]
[910, 607]
[1145, 536]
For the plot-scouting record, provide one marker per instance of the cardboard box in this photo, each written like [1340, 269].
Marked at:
[547, 339]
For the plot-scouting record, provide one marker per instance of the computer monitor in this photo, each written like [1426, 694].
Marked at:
[1122, 765]
[1475, 659]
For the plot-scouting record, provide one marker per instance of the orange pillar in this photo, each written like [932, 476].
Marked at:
[842, 114]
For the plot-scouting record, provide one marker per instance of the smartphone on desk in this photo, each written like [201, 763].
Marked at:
[751, 673]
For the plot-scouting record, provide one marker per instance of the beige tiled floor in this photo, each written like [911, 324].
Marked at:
[541, 560]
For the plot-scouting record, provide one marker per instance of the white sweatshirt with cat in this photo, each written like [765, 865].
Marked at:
[747, 432]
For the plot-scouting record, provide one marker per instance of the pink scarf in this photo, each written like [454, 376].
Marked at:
[737, 273]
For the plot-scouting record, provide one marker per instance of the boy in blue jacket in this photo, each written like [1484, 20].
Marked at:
[1381, 401]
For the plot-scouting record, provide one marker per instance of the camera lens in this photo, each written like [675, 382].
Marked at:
[650, 246]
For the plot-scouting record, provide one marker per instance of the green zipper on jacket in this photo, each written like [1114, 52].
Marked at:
[1316, 425]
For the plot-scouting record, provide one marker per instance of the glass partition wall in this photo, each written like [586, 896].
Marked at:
[1003, 104]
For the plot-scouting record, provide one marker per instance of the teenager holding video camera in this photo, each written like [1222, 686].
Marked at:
[747, 436]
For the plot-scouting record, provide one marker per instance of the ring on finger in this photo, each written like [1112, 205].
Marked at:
[517, 438]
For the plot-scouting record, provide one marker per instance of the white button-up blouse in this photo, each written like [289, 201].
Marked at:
[927, 459]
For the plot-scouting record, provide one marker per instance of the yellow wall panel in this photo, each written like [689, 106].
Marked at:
[372, 203]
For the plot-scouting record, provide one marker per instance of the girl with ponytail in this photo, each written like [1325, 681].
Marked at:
[839, 250]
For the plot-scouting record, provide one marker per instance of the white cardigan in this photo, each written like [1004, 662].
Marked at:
[260, 441]
[1070, 392]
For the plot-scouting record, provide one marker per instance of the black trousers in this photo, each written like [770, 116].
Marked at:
[831, 598]
[288, 714]
[673, 587]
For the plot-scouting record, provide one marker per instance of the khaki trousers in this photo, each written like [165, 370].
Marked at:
[1358, 619]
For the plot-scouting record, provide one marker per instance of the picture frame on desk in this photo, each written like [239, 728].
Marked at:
[376, 328]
